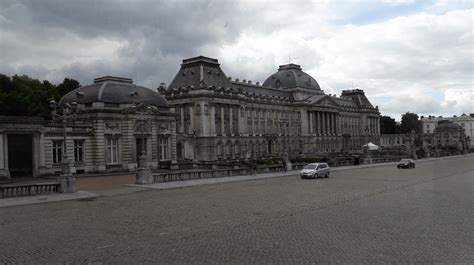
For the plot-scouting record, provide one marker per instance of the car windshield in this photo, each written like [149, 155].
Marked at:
[404, 160]
[309, 167]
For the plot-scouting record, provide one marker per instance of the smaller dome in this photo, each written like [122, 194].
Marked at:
[116, 90]
[446, 124]
[291, 76]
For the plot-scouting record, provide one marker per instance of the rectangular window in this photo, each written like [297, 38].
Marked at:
[111, 148]
[57, 151]
[78, 151]
[163, 152]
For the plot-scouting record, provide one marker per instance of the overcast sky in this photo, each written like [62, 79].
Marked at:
[406, 55]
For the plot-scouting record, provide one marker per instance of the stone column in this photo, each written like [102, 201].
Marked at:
[192, 122]
[204, 118]
[331, 122]
[318, 120]
[243, 121]
[325, 123]
[182, 119]
[310, 119]
[3, 152]
[222, 120]
[315, 124]
[304, 125]
[319, 123]
[212, 120]
[230, 120]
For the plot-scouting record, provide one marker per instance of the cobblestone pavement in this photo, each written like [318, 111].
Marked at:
[368, 215]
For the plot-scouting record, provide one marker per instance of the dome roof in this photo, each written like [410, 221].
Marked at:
[291, 76]
[446, 124]
[114, 90]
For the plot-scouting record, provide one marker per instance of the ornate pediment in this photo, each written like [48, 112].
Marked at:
[326, 102]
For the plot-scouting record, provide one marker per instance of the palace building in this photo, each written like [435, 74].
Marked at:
[104, 133]
[203, 115]
[288, 114]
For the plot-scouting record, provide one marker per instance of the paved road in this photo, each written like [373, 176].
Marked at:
[366, 215]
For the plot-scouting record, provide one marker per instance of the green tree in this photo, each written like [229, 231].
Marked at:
[410, 122]
[388, 125]
[24, 96]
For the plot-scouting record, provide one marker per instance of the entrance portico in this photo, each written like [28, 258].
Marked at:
[21, 146]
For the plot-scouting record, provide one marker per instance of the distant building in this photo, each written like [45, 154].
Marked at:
[466, 122]
[449, 134]
[221, 118]
[392, 140]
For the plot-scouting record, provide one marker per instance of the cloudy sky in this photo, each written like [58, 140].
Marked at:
[407, 55]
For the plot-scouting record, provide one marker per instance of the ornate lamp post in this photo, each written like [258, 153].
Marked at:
[143, 174]
[368, 158]
[68, 113]
[288, 165]
[195, 165]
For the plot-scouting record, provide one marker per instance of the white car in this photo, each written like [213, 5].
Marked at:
[315, 170]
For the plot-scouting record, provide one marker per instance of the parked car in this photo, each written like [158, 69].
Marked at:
[406, 163]
[315, 170]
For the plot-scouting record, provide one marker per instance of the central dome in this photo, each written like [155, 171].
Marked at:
[291, 76]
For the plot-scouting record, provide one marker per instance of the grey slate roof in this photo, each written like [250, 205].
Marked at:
[256, 89]
[357, 96]
[291, 76]
[200, 71]
[447, 124]
[114, 90]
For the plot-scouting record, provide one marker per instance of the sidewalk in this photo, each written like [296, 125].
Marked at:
[17, 201]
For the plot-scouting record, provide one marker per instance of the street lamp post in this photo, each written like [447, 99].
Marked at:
[67, 180]
[288, 165]
[368, 158]
[195, 165]
[143, 174]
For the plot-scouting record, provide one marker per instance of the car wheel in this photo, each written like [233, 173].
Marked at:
[327, 174]
[316, 175]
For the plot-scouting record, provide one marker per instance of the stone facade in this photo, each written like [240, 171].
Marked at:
[448, 135]
[223, 119]
[430, 123]
[392, 140]
[105, 134]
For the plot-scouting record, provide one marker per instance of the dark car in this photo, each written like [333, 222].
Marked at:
[406, 163]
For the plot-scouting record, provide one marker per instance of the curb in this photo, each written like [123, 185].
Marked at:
[27, 200]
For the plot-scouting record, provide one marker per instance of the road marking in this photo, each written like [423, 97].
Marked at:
[104, 246]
